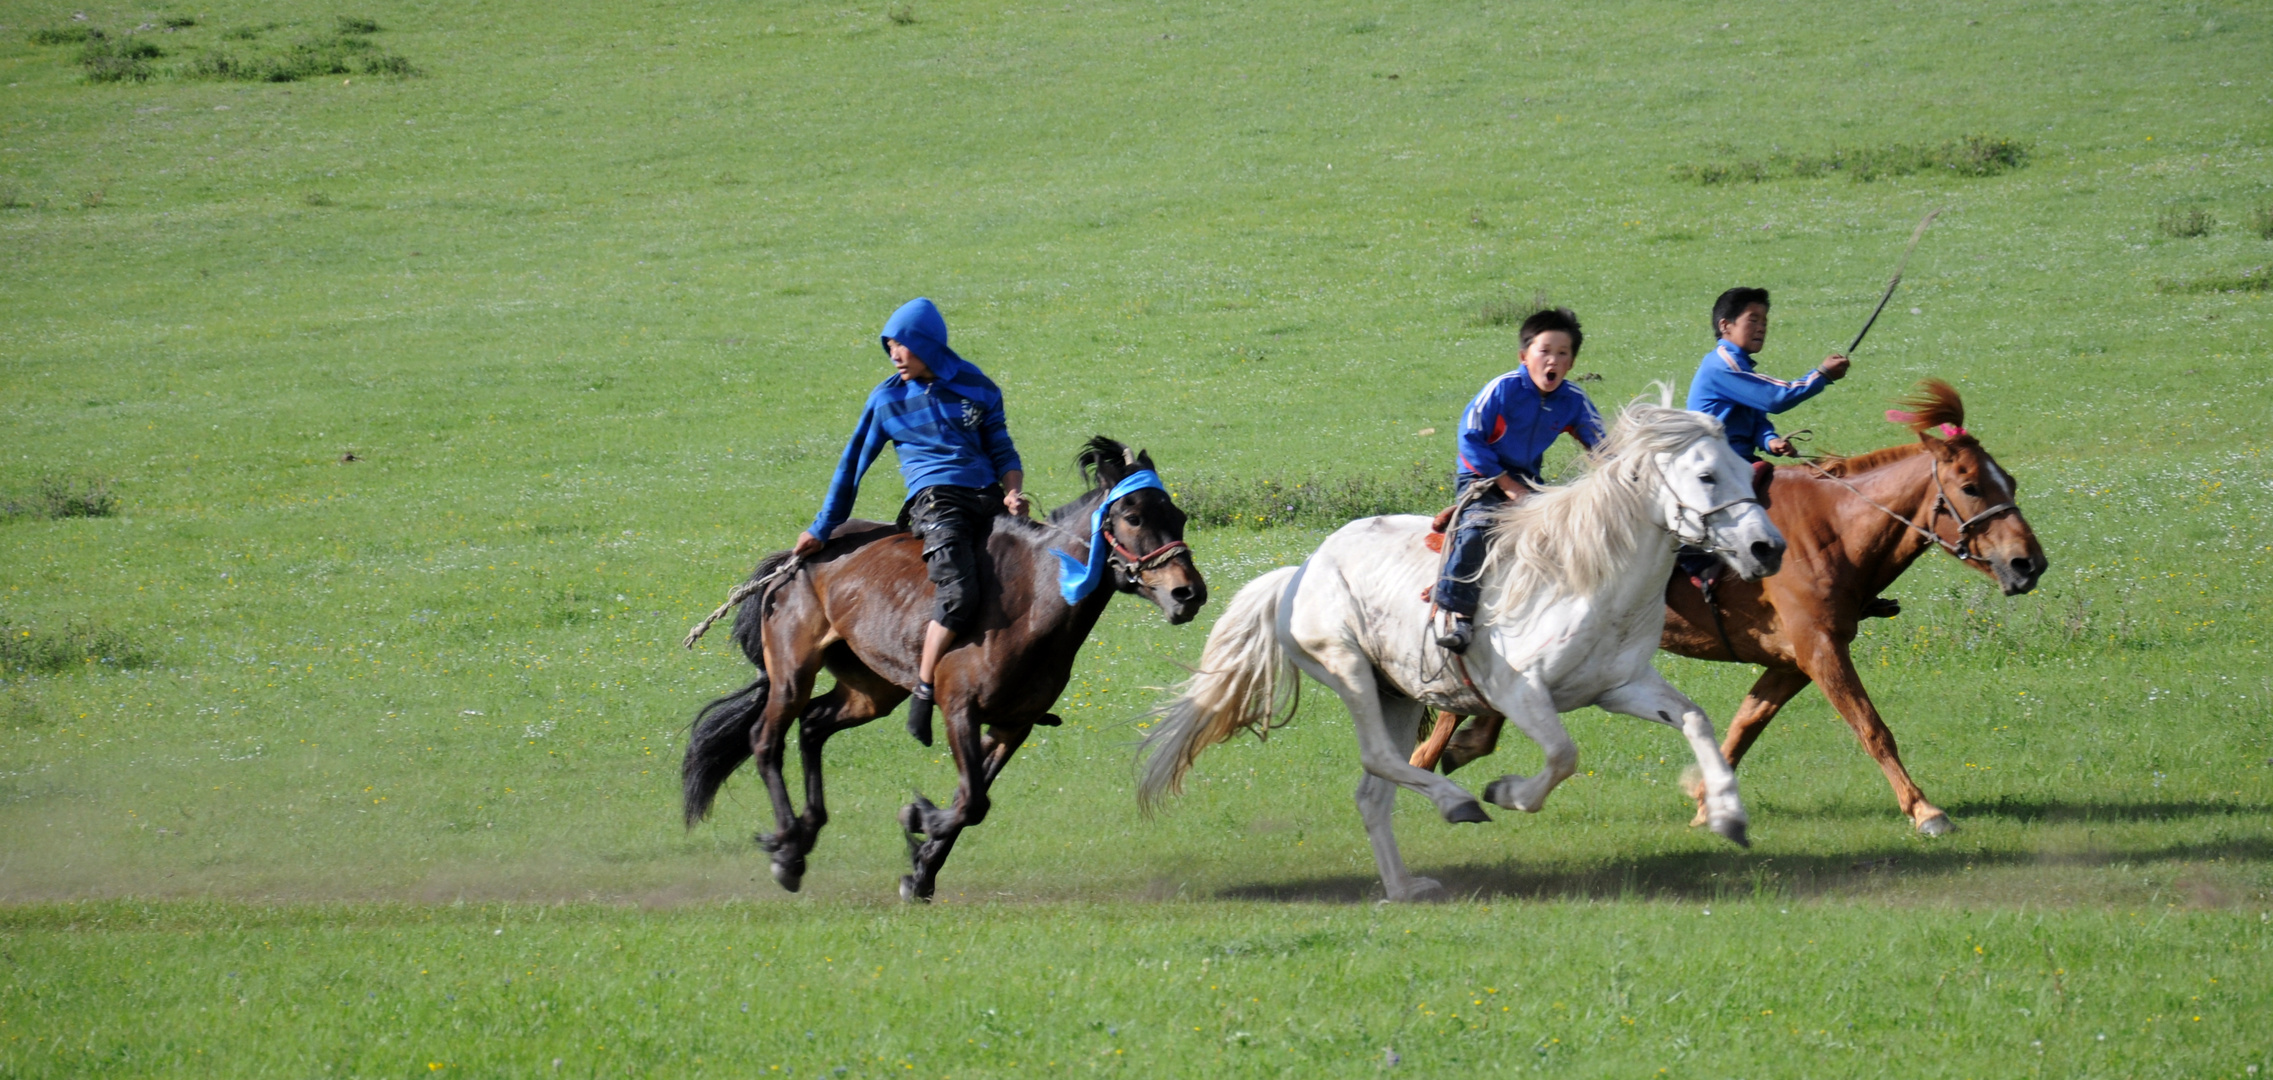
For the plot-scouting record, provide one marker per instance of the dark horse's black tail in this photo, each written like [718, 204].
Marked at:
[720, 740]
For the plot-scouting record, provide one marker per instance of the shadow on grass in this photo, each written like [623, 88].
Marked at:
[2019, 809]
[2035, 810]
[1732, 875]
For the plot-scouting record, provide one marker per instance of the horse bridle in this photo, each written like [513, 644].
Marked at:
[1943, 505]
[1135, 565]
[1704, 532]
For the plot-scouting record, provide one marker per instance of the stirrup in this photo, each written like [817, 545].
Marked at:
[919, 713]
[1459, 633]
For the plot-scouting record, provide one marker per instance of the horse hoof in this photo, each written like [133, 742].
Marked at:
[1049, 720]
[1732, 830]
[1502, 793]
[1421, 890]
[908, 891]
[1937, 825]
[788, 878]
[1467, 813]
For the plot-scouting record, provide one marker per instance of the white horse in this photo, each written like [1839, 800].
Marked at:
[1574, 603]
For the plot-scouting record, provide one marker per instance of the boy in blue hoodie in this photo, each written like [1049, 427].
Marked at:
[944, 419]
[1503, 435]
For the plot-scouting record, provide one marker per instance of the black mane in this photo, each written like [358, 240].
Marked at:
[1103, 462]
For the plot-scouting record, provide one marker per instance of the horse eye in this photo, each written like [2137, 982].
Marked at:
[1134, 521]
[1706, 477]
[1972, 489]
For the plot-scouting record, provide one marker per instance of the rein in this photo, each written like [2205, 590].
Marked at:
[1962, 549]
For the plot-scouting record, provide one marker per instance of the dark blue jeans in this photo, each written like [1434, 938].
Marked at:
[1458, 590]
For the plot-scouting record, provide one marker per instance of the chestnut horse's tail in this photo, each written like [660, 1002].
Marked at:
[1244, 681]
[720, 740]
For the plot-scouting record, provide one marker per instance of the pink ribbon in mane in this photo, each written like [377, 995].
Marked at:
[1949, 431]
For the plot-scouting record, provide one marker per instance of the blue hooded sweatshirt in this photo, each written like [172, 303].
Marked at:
[947, 430]
[1727, 389]
[1510, 425]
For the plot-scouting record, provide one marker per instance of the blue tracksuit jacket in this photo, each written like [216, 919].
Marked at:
[1729, 390]
[949, 430]
[1510, 425]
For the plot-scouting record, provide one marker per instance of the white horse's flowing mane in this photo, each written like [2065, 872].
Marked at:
[1577, 537]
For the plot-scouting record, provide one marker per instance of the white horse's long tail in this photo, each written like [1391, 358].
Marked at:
[1244, 681]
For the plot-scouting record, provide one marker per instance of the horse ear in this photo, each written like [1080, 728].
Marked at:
[1144, 459]
[1128, 456]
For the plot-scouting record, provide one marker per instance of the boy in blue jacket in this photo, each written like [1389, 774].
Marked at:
[944, 418]
[1503, 436]
[1729, 389]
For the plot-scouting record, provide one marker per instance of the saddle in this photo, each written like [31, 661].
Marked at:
[1441, 524]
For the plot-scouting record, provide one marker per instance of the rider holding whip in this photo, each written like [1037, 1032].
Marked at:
[944, 418]
[1729, 388]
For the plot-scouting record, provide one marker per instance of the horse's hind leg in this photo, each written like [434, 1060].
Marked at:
[1376, 806]
[979, 758]
[791, 649]
[858, 698]
[1386, 728]
[1476, 738]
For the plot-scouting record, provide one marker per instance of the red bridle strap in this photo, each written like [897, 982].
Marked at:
[1157, 558]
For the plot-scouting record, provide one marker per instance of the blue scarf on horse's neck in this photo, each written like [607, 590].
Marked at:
[1076, 580]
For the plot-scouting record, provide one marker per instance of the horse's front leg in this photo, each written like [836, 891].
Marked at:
[1829, 662]
[1523, 700]
[1767, 697]
[979, 758]
[1652, 698]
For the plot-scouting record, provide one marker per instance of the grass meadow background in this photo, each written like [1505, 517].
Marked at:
[317, 766]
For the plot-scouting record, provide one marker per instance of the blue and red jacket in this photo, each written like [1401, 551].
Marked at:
[1510, 425]
[1729, 390]
[949, 430]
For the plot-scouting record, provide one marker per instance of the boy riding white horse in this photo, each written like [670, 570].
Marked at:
[1504, 433]
[1571, 585]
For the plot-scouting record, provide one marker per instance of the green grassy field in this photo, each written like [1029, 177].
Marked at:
[302, 757]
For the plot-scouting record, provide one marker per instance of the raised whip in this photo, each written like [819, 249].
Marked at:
[1893, 281]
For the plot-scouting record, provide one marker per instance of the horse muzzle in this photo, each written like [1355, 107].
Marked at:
[1182, 602]
[1768, 556]
[1751, 545]
[2018, 574]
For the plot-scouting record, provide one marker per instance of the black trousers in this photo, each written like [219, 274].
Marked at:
[953, 522]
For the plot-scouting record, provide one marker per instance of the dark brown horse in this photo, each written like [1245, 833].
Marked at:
[1853, 525]
[858, 609]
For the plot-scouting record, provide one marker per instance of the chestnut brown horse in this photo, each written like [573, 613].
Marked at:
[858, 608]
[1854, 524]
